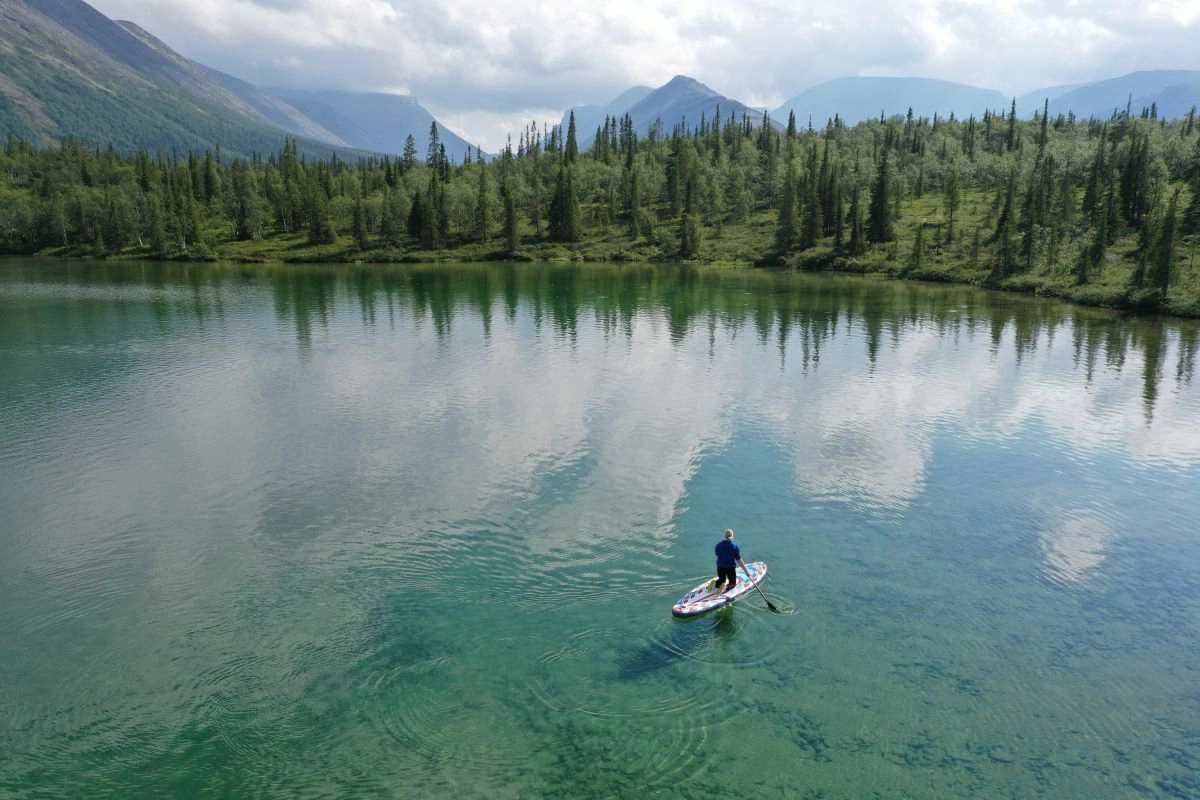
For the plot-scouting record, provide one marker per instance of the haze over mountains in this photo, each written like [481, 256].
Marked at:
[680, 100]
[1172, 92]
[67, 70]
[372, 121]
[856, 99]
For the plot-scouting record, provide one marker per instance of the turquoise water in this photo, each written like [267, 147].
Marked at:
[416, 532]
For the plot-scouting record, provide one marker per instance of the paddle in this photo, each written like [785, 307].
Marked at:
[760, 591]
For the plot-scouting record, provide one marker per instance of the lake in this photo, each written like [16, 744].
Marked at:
[416, 531]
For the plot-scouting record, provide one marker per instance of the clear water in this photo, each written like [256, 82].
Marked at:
[416, 532]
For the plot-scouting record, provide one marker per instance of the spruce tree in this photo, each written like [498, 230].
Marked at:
[416, 216]
[572, 149]
[483, 208]
[564, 209]
[408, 161]
[510, 218]
[1010, 140]
[915, 260]
[787, 232]
[858, 243]
[359, 223]
[633, 200]
[811, 225]
[952, 202]
[1004, 262]
[879, 216]
[433, 156]
[1162, 249]
[1191, 216]
[689, 224]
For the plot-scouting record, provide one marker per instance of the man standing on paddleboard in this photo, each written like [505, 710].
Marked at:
[729, 555]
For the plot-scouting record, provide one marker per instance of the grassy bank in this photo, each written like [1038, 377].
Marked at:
[964, 255]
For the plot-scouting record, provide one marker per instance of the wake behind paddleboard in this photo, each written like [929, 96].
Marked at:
[702, 599]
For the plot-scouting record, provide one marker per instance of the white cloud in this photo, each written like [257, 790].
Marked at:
[486, 58]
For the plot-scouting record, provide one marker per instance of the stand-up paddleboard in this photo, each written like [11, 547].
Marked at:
[702, 599]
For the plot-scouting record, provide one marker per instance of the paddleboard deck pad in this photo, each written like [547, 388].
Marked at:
[702, 599]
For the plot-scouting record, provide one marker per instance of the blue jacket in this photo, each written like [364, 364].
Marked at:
[728, 553]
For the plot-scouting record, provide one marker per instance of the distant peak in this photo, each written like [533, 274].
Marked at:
[684, 83]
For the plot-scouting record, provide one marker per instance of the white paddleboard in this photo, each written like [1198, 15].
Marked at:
[702, 599]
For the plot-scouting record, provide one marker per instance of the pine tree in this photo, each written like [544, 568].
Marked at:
[320, 224]
[952, 202]
[416, 216]
[361, 240]
[483, 207]
[510, 217]
[389, 221]
[1091, 258]
[1191, 216]
[915, 260]
[633, 200]
[690, 230]
[787, 232]
[564, 209]
[1162, 249]
[1004, 262]
[858, 243]
[408, 161]
[810, 204]
[879, 216]
[433, 156]
[572, 149]
[247, 204]
[156, 228]
[1044, 129]
[838, 210]
[1010, 140]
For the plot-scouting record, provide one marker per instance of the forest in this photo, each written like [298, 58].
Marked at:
[1104, 212]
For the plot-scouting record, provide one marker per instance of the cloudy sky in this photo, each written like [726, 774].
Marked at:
[483, 67]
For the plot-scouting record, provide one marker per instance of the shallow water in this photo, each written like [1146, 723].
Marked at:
[416, 532]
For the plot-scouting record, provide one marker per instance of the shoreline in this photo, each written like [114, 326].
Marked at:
[1140, 302]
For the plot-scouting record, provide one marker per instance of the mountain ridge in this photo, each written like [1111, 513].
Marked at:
[682, 99]
[856, 99]
[66, 70]
[371, 120]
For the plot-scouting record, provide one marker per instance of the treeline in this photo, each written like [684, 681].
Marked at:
[1009, 202]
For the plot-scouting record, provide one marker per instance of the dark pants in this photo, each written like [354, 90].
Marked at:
[727, 575]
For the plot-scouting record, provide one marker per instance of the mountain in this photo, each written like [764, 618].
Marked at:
[1032, 103]
[1174, 91]
[589, 118]
[371, 121]
[274, 110]
[682, 99]
[67, 70]
[856, 99]
[1173, 102]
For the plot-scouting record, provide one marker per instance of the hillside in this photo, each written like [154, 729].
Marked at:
[372, 121]
[67, 70]
[274, 110]
[1179, 90]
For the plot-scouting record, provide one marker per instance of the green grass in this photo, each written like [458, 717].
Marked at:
[752, 242]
